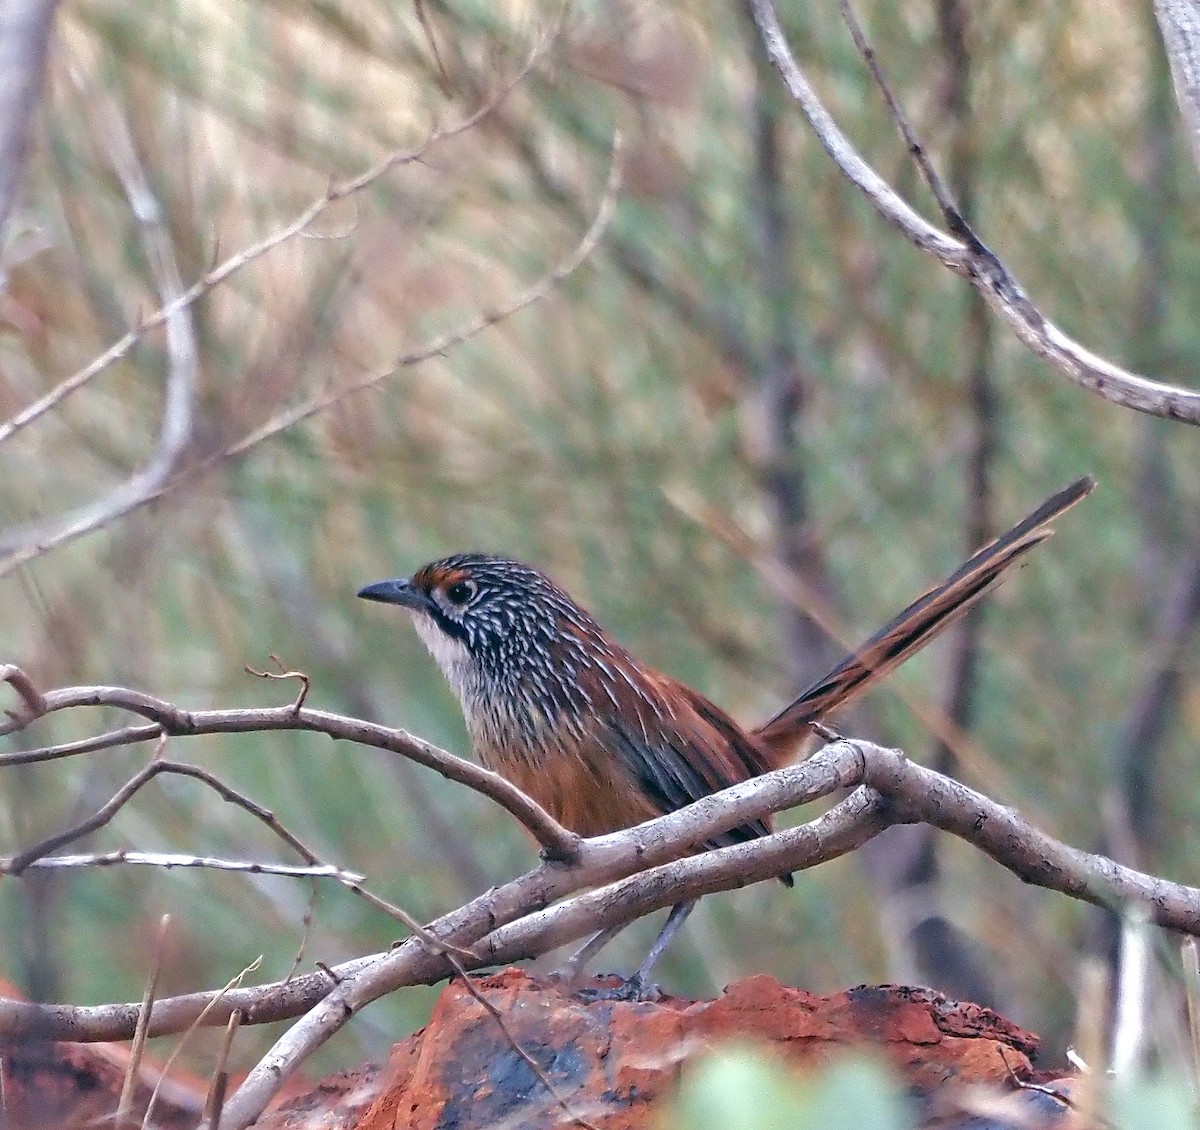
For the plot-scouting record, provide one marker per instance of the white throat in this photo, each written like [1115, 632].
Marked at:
[448, 653]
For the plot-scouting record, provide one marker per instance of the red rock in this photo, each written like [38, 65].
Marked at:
[611, 1061]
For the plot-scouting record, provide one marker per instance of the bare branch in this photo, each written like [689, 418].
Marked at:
[555, 840]
[126, 792]
[25, 27]
[917, 793]
[129, 735]
[970, 258]
[170, 860]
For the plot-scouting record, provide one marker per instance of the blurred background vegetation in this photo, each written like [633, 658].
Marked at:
[754, 409]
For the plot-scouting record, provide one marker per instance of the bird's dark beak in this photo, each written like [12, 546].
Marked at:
[400, 591]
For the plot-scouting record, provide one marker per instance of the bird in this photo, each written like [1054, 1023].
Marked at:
[602, 741]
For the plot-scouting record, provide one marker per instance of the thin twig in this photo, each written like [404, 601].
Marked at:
[214, 1101]
[306, 923]
[125, 1103]
[955, 221]
[169, 861]
[129, 735]
[232, 983]
[283, 672]
[1026, 1085]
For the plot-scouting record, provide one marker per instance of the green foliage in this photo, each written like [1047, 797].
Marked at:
[745, 1089]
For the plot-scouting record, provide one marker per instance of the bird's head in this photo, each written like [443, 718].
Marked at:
[489, 622]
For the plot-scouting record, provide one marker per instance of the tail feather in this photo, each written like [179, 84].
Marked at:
[922, 621]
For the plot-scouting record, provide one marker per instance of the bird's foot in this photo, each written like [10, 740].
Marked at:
[629, 990]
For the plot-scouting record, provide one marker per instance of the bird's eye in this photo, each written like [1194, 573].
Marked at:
[460, 592]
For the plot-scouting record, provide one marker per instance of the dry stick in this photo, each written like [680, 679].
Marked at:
[951, 213]
[282, 672]
[306, 923]
[972, 260]
[214, 1101]
[125, 1102]
[234, 263]
[1024, 1084]
[130, 735]
[168, 861]
[198, 1023]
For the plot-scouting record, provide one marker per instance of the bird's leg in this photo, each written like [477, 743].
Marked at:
[635, 987]
[675, 919]
[571, 969]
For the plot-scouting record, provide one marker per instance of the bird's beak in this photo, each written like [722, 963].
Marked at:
[400, 591]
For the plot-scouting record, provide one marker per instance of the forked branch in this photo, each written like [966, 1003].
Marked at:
[966, 255]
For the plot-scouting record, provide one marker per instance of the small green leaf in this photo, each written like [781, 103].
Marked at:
[746, 1089]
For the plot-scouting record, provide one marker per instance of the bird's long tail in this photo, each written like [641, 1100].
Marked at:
[922, 621]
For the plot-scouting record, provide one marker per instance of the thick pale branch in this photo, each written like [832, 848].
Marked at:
[843, 829]
[970, 258]
[1179, 22]
[602, 860]
[921, 795]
